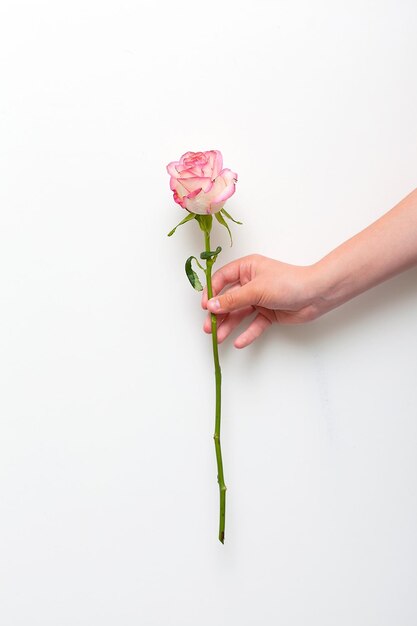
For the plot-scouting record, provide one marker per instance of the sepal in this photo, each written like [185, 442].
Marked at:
[223, 222]
[229, 216]
[205, 222]
[189, 217]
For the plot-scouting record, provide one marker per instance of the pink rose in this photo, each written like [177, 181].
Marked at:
[199, 183]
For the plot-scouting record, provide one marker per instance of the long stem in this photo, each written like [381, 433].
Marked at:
[218, 378]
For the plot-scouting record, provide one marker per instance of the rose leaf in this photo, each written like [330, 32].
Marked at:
[192, 276]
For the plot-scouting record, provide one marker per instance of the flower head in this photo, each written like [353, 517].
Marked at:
[199, 182]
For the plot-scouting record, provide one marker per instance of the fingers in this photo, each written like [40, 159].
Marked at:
[232, 320]
[207, 322]
[254, 330]
[234, 299]
[215, 291]
[229, 273]
[227, 323]
[220, 318]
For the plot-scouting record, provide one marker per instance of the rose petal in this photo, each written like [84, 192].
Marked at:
[223, 187]
[196, 182]
[215, 163]
[186, 155]
[172, 168]
[194, 193]
[179, 200]
[200, 204]
[225, 178]
[218, 203]
[178, 187]
[194, 159]
[189, 172]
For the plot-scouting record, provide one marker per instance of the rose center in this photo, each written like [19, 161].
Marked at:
[198, 158]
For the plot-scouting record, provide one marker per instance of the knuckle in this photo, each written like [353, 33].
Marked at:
[256, 293]
[310, 314]
[229, 299]
[266, 321]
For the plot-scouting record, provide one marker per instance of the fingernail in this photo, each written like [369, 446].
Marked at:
[214, 304]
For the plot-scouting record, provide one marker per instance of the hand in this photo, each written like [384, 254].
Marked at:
[293, 294]
[278, 292]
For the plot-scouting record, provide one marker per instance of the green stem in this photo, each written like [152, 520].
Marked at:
[218, 378]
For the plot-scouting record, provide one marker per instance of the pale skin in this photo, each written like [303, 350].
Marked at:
[295, 294]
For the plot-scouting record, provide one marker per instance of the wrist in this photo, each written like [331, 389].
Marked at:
[326, 290]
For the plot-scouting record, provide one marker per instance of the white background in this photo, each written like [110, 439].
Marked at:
[108, 492]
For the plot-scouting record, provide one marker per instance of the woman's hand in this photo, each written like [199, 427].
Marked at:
[293, 294]
[278, 292]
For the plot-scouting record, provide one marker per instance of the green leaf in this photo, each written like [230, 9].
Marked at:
[192, 276]
[223, 222]
[208, 254]
[229, 216]
[189, 217]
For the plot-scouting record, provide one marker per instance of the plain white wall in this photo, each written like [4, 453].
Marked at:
[108, 492]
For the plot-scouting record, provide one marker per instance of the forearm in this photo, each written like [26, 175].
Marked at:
[377, 253]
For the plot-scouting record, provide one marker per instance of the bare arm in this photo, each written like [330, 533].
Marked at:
[380, 251]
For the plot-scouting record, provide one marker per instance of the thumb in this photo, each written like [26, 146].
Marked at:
[233, 299]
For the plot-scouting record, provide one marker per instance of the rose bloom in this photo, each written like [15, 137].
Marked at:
[199, 182]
